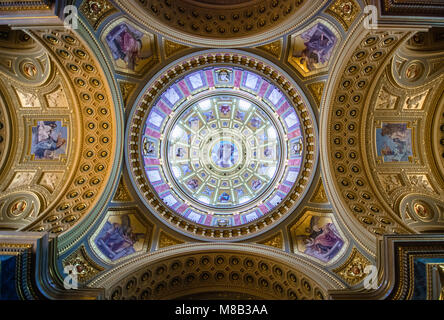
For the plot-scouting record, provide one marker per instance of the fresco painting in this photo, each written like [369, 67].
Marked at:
[130, 48]
[394, 142]
[313, 48]
[317, 236]
[121, 236]
[49, 140]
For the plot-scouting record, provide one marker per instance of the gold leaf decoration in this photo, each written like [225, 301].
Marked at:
[85, 267]
[435, 67]
[122, 194]
[126, 88]
[96, 11]
[276, 241]
[317, 89]
[166, 240]
[345, 11]
[274, 48]
[319, 195]
[7, 63]
[172, 48]
[352, 271]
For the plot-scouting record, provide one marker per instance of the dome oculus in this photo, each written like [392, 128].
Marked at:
[224, 152]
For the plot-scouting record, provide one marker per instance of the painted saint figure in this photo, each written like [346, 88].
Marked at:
[223, 75]
[193, 184]
[393, 141]
[315, 47]
[225, 109]
[240, 115]
[116, 240]
[180, 152]
[255, 122]
[255, 184]
[47, 140]
[322, 242]
[209, 115]
[224, 155]
[224, 197]
[297, 148]
[193, 122]
[125, 43]
[148, 147]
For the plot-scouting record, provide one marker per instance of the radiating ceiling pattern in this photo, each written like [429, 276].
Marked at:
[203, 148]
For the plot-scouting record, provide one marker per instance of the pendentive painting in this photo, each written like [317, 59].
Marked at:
[394, 142]
[49, 140]
[312, 49]
[130, 48]
[317, 236]
[122, 235]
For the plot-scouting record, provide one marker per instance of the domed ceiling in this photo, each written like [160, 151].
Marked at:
[221, 148]
[235, 146]
[202, 22]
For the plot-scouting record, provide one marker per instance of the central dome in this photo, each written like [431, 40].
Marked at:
[216, 146]
[224, 150]
[221, 145]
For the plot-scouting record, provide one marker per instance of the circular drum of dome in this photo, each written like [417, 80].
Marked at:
[221, 148]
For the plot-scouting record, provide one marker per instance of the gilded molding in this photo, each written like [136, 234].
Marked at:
[319, 195]
[86, 268]
[323, 278]
[346, 143]
[25, 5]
[96, 11]
[127, 89]
[217, 264]
[276, 241]
[166, 240]
[345, 11]
[397, 256]
[308, 10]
[91, 90]
[230, 21]
[317, 89]
[352, 270]
[122, 193]
[171, 48]
[273, 48]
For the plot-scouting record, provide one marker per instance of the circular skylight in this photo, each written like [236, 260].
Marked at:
[223, 152]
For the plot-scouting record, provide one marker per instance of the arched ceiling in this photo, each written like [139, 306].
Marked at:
[77, 126]
[61, 133]
[373, 99]
[202, 268]
[221, 24]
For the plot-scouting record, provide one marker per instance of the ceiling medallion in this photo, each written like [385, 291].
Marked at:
[221, 150]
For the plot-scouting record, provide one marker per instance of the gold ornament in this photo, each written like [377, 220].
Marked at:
[345, 11]
[352, 271]
[276, 241]
[166, 240]
[84, 266]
